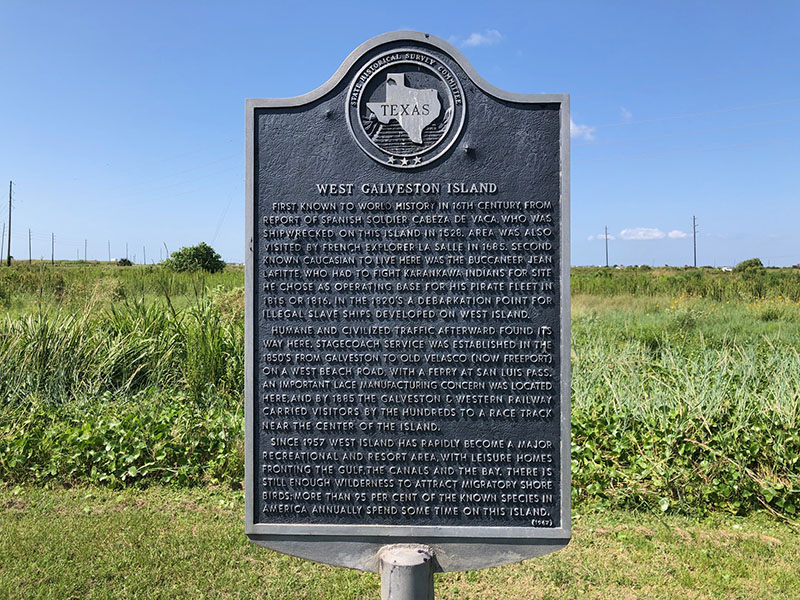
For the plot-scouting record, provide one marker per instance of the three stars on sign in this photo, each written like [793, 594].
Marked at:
[403, 162]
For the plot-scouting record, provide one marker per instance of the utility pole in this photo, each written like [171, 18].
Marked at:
[109, 250]
[694, 239]
[126, 249]
[52, 248]
[8, 254]
[606, 245]
[30, 254]
[144, 253]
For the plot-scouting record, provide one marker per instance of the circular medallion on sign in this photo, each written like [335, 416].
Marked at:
[405, 108]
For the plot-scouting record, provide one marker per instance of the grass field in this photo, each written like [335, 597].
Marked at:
[72, 287]
[681, 403]
[93, 543]
[120, 381]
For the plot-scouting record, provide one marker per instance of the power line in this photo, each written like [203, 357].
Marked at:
[684, 133]
[136, 198]
[174, 174]
[137, 194]
[8, 254]
[760, 69]
[222, 219]
[701, 114]
[690, 150]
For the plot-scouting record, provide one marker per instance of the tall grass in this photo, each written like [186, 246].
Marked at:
[122, 348]
[708, 282]
[680, 402]
[130, 391]
[692, 405]
[30, 288]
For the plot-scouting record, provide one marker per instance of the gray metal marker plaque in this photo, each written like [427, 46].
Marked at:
[407, 314]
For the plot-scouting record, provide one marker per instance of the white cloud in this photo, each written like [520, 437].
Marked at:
[625, 114]
[642, 233]
[677, 234]
[581, 132]
[489, 37]
[601, 236]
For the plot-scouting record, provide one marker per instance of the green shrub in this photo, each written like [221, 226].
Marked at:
[201, 257]
[151, 437]
[749, 264]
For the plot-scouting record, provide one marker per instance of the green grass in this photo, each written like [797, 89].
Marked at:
[94, 543]
[680, 404]
[117, 441]
[71, 287]
[686, 403]
[670, 281]
[124, 348]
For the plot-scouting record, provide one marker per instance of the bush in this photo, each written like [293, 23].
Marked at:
[124, 262]
[152, 437]
[201, 257]
[748, 265]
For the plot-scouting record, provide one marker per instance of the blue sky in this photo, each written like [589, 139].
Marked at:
[124, 122]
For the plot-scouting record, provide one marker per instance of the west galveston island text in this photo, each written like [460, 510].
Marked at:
[385, 321]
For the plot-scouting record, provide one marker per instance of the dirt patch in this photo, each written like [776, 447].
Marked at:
[192, 506]
[727, 538]
[611, 530]
[683, 534]
[637, 529]
[13, 505]
[764, 539]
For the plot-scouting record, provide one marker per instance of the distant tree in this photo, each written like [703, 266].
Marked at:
[751, 264]
[201, 257]
[124, 262]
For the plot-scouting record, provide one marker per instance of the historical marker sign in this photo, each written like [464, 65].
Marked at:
[407, 366]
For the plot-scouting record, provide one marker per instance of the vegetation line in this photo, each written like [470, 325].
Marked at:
[685, 391]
